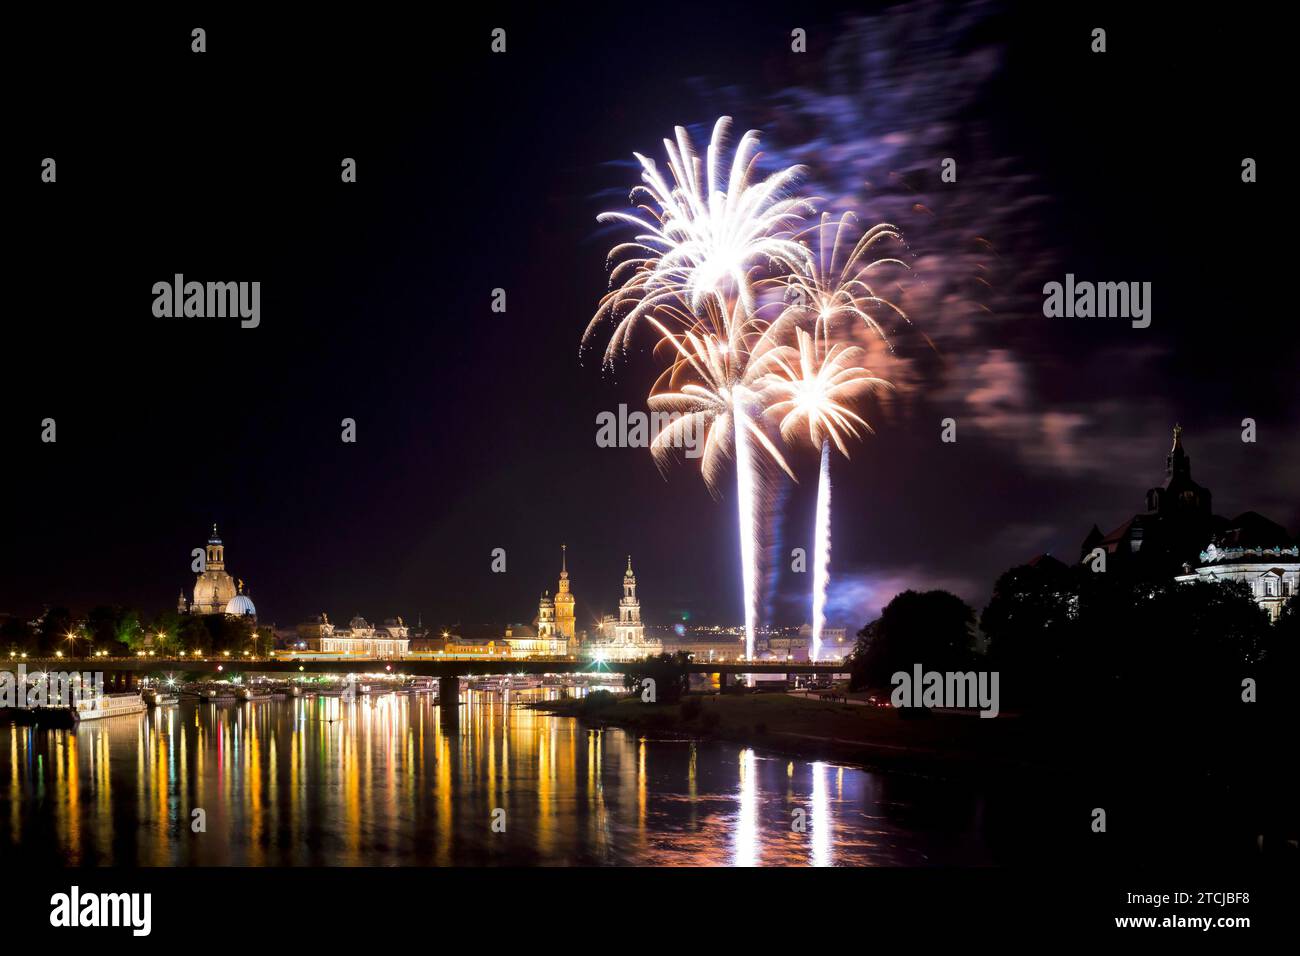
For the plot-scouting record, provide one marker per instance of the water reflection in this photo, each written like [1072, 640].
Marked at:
[321, 781]
[821, 816]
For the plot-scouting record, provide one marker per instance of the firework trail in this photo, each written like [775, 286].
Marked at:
[705, 248]
[821, 550]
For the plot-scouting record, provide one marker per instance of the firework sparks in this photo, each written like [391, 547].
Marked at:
[700, 238]
[809, 388]
[719, 402]
[837, 283]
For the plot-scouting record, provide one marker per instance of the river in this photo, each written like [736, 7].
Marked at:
[323, 782]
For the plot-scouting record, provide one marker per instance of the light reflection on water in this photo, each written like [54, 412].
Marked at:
[381, 782]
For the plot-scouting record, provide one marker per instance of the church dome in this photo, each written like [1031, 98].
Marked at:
[240, 605]
[213, 590]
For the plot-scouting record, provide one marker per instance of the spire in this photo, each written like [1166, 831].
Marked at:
[564, 559]
[1178, 462]
[629, 565]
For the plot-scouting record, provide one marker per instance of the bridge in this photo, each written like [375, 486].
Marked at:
[415, 666]
[122, 672]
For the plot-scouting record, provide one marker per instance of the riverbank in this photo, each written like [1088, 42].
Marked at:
[938, 745]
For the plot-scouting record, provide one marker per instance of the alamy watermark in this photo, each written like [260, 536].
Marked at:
[22, 691]
[638, 429]
[75, 908]
[208, 300]
[951, 689]
[1098, 300]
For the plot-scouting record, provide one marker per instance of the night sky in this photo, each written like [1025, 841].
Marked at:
[477, 430]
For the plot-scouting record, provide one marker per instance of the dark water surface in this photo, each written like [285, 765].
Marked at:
[381, 782]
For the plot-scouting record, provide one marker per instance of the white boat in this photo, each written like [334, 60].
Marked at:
[91, 708]
[157, 698]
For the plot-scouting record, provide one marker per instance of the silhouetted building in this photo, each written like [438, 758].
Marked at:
[1180, 537]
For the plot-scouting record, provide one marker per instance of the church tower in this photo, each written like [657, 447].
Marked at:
[546, 618]
[213, 588]
[1181, 497]
[564, 599]
[630, 630]
[216, 552]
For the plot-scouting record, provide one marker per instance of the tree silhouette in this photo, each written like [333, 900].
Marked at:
[932, 628]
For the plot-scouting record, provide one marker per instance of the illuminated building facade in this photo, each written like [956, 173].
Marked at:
[525, 641]
[1257, 552]
[457, 647]
[359, 638]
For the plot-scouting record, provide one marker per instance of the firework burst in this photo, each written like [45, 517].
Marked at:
[809, 388]
[701, 237]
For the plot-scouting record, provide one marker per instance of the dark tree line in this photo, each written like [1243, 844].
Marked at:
[1059, 635]
[121, 631]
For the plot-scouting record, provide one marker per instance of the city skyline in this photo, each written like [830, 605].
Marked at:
[590, 609]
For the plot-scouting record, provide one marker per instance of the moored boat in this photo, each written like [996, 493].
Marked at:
[91, 708]
[216, 693]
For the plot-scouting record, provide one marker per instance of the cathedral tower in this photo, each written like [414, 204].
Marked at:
[546, 618]
[564, 599]
[630, 629]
